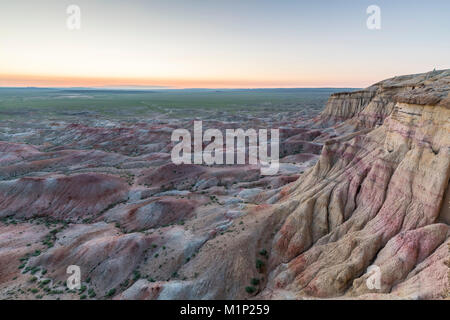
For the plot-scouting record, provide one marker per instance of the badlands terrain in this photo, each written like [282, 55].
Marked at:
[362, 183]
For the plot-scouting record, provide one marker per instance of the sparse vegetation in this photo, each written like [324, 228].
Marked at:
[250, 289]
[259, 265]
[91, 293]
[263, 252]
[136, 275]
[111, 293]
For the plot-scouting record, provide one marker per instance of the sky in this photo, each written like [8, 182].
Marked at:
[219, 44]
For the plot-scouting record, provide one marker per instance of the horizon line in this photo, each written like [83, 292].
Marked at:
[173, 88]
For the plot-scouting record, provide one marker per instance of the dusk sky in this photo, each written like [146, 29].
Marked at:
[226, 44]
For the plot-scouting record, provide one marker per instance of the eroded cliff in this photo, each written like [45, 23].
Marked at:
[376, 198]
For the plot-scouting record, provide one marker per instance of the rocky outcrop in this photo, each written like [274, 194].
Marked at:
[373, 197]
[369, 107]
[153, 213]
[344, 106]
[362, 187]
[69, 198]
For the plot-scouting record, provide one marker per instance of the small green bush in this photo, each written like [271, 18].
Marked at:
[111, 292]
[44, 282]
[250, 289]
[259, 265]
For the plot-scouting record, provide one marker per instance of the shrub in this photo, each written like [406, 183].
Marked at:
[259, 265]
[91, 293]
[36, 253]
[136, 275]
[250, 289]
[34, 270]
[111, 292]
[44, 282]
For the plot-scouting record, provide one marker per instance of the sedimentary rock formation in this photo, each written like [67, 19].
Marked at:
[363, 186]
[67, 198]
[373, 196]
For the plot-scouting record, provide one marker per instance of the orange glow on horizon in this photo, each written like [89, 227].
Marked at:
[7, 80]
[216, 44]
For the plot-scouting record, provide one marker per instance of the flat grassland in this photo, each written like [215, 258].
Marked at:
[57, 103]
